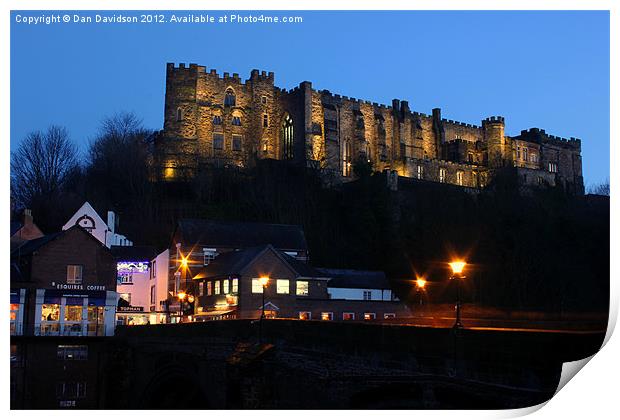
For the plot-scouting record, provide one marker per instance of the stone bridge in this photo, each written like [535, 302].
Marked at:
[331, 365]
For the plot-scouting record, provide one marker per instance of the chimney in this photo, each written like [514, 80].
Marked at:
[111, 221]
[27, 218]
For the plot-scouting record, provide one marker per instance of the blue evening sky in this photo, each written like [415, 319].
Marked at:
[547, 69]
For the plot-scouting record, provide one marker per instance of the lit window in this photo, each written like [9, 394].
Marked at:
[369, 315]
[209, 288]
[346, 158]
[302, 288]
[459, 177]
[282, 287]
[236, 121]
[50, 312]
[237, 141]
[235, 286]
[348, 316]
[226, 287]
[71, 390]
[518, 152]
[73, 313]
[257, 287]
[367, 294]
[442, 175]
[420, 172]
[201, 289]
[534, 157]
[525, 154]
[229, 98]
[209, 255]
[327, 316]
[74, 274]
[217, 120]
[287, 137]
[217, 287]
[179, 114]
[218, 141]
[305, 315]
[265, 120]
[389, 316]
[553, 167]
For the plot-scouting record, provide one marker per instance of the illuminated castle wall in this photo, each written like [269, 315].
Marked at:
[223, 120]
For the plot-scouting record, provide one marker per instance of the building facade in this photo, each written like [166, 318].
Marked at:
[225, 121]
[87, 218]
[63, 284]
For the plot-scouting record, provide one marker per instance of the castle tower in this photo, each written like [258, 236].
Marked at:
[494, 137]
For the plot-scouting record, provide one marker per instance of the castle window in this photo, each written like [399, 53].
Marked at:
[368, 151]
[179, 114]
[236, 121]
[553, 167]
[525, 154]
[237, 141]
[534, 157]
[229, 98]
[518, 152]
[346, 158]
[217, 120]
[263, 100]
[470, 157]
[218, 141]
[403, 151]
[420, 171]
[265, 120]
[442, 175]
[287, 137]
[459, 177]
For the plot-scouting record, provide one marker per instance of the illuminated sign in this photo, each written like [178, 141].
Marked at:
[129, 267]
[88, 287]
[130, 309]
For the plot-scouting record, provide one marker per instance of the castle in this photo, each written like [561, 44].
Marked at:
[223, 121]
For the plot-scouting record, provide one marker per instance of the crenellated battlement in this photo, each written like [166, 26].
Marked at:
[192, 68]
[538, 134]
[493, 120]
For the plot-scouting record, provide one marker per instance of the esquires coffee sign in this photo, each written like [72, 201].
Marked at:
[85, 287]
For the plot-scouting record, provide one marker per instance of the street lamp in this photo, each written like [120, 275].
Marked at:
[181, 296]
[264, 281]
[457, 268]
[420, 285]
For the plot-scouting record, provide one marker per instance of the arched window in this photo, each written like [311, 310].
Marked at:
[368, 151]
[346, 158]
[236, 120]
[229, 99]
[179, 114]
[287, 137]
[217, 120]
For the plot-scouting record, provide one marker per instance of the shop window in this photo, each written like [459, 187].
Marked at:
[305, 316]
[73, 313]
[218, 141]
[71, 390]
[50, 312]
[389, 316]
[209, 255]
[74, 274]
[327, 316]
[72, 352]
[348, 316]
[302, 288]
[237, 141]
[282, 286]
[369, 316]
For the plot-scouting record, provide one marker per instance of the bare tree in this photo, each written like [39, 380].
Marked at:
[599, 189]
[41, 166]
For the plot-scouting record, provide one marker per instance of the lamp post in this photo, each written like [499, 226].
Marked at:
[420, 284]
[181, 296]
[264, 281]
[457, 269]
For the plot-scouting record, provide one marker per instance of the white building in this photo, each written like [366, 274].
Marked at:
[89, 219]
[358, 285]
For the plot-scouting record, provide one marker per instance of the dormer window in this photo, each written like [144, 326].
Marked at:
[229, 98]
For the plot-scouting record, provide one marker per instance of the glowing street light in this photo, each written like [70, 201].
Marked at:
[420, 286]
[457, 268]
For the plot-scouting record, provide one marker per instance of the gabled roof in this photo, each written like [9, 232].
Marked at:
[234, 262]
[133, 253]
[15, 227]
[241, 234]
[29, 247]
[87, 209]
[355, 279]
